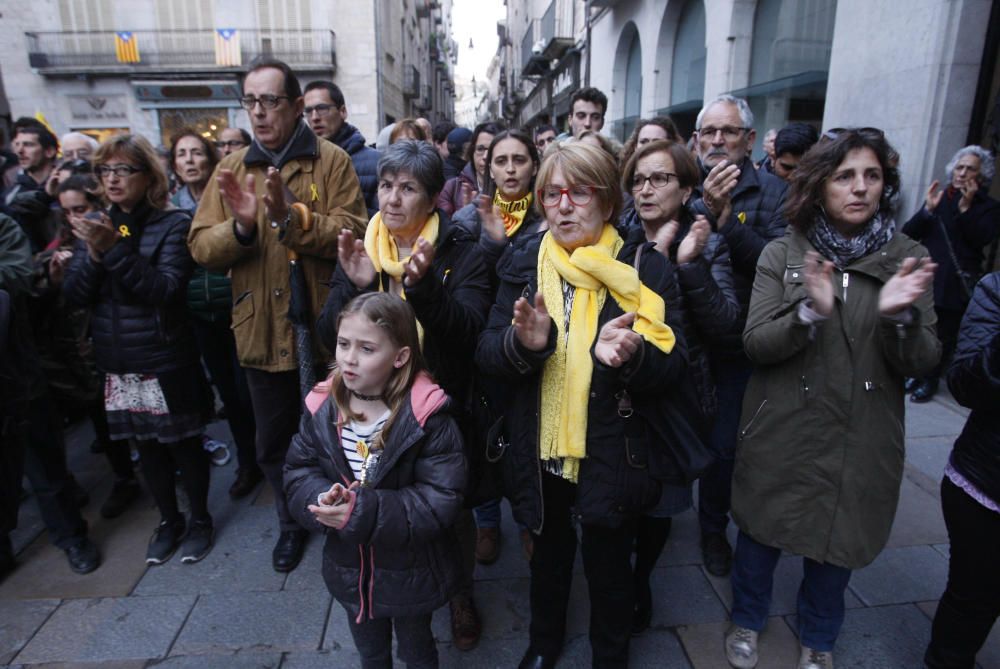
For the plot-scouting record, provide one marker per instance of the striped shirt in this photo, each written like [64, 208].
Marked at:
[354, 432]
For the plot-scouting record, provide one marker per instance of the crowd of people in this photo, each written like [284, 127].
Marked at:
[402, 335]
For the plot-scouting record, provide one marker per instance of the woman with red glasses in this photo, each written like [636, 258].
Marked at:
[579, 334]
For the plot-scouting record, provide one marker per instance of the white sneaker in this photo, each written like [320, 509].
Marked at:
[217, 449]
[741, 647]
[815, 659]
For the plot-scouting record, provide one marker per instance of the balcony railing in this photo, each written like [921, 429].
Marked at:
[557, 33]
[411, 82]
[68, 52]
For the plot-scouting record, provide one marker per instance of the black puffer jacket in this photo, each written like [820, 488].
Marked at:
[397, 554]
[451, 303]
[756, 219]
[974, 380]
[365, 161]
[468, 218]
[140, 323]
[969, 233]
[609, 490]
[709, 308]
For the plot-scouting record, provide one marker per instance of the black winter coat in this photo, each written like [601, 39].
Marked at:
[468, 218]
[140, 322]
[756, 219]
[969, 234]
[609, 490]
[974, 380]
[397, 554]
[365, 161]
[451, 303]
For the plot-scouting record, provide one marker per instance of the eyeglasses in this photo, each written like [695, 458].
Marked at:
[249, 102]
[728, 131]
[480, 150]
[551, 196]
[120, 171]
[868, 133]
[322, 110]
[656, 179]
[230, 144]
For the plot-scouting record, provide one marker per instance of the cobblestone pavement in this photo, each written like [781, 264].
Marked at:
[233, 610]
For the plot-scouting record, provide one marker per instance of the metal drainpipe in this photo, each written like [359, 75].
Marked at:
[380, 117]
[586, 71]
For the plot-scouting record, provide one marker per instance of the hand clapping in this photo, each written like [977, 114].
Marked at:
[912, 280]
[617, 341]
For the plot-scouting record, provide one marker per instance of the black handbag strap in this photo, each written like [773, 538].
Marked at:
[966, 289]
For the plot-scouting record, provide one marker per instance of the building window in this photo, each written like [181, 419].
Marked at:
[205, 121]
[789, 63]
[687, 72]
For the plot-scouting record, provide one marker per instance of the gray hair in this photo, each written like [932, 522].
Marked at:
[746, 116]
[987, 166]
[79, 135]
[420, 159]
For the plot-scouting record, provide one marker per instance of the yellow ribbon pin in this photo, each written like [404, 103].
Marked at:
[362, 448]
[123, 229]
[742, 217]
[314, 191]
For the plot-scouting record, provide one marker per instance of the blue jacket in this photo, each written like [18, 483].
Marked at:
[365, 160]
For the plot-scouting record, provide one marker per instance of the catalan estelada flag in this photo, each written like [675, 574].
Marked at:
[126, 48]
[227, 47]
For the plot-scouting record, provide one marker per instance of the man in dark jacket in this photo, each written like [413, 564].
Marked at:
[744, 205]
[326, 113]
[458, 138]
[26, 200]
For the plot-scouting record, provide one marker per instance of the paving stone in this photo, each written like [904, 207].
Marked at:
[322, 659]
[114, 664]
[898, 575]
[242, 547]
[784, 595]
[309, 574]
[243, 660]
[99, 630]
[989, 655]
[43, 571]
[778, 646]
[19, 620]
[256, 621]
[504, 610]
[943, 549]
[684, 545]
[934, 419]
[683, 595]
[918, 518]
[657, 648]
[929, 455]
[489, 654]
[883, 637]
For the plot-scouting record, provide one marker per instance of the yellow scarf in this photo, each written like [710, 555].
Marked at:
[384, 254]
[593, 271]
[513, 213]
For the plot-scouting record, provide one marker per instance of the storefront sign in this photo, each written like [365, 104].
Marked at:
[98, 109]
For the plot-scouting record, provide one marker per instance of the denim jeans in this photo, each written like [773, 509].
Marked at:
[970, 604]
[488, 514]
[820, 600]
[715, 486]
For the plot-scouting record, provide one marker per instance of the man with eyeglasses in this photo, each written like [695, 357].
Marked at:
[326, 114]
[744, 205]
[77, 146]
[232, 140]
[287, 192]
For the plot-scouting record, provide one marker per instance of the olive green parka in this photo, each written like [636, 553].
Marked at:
[820, 454]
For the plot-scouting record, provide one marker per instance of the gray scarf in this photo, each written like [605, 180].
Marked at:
[842, 251]
[277, 157]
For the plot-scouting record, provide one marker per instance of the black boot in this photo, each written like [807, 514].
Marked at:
[650, 538]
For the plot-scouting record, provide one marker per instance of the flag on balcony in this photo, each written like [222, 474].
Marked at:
[227, 47]
[126, 47]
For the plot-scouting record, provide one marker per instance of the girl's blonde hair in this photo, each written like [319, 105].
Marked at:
[396, 318]
[137, 150]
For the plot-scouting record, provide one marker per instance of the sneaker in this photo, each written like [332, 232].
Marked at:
[83, 556]
[123, 493]
[465, 625]
[165, 540]
[198, 541]
[741, 647]
[716, 554]
[218, 450]
[815, 659]
[487, 545]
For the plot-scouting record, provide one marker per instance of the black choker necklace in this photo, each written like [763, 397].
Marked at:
[366, 398]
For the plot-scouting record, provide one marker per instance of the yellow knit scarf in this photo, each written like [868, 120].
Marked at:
[593, 271]
[384, 254]
[513, 213]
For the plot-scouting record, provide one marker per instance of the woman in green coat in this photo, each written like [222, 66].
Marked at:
[840, 315]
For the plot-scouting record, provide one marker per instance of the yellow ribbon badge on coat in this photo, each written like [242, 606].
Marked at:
[123, 229]
[742, 217]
